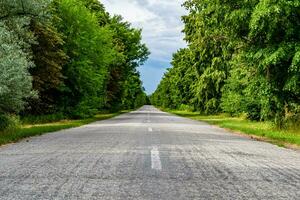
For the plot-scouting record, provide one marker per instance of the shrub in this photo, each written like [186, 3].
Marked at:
[184, 107]
[40, 119]
[9, 123]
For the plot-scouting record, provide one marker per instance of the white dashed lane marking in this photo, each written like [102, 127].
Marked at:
[155, 159]
[150, 129]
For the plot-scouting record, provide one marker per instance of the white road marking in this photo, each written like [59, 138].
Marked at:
[155, 159]
[150, 129]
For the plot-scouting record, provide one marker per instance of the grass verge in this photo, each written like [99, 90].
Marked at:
[29, 130]
[264, 131]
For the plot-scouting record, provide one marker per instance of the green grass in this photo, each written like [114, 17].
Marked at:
[29, 130]
[262, 130]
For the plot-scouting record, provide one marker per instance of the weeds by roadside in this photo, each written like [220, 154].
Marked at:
[41, 126]
[260, 130]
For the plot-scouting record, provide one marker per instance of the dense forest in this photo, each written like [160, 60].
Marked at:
[242, 58]
[67, 58]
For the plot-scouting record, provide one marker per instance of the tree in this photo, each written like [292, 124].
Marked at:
[90, 49]
[134, 95]
[16, 58]
[49, 59]
[274, 30]
[133, 53]
[78, 58]
[15, 81]
[246, 58]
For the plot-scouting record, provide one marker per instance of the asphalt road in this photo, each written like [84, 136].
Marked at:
[147, 154]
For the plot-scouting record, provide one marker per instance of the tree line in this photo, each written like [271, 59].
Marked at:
[69, 57]
[242, 57]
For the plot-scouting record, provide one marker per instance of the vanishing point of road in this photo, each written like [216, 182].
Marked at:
[147, 154]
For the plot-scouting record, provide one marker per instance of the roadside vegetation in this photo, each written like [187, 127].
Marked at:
[242, 59]
[265, 131]
[34, 127]
[65, 60]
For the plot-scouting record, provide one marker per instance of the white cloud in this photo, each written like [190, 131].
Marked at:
[130, 10]
[161, 24]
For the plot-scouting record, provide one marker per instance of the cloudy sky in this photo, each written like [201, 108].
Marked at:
[161, 24]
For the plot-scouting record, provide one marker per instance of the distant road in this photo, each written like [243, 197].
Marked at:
[147, 154]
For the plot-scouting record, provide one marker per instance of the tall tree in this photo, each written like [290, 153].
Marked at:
[90, 49]
[127, 41]
[246, 57]
[49, 59]
[15, 81]
[16, 57]
[275, 53]
[131, 53]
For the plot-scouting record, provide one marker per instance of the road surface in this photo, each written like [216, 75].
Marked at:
[147, 154]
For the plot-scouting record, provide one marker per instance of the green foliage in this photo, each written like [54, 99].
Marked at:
[15, 81]
[68, 57]
[260, 130]
[132, 53]
[90, 50]
[29, 130]
[274, 31]
[175, 88]
[49, 59]
[134, 95]
[268, 57]
[242, 57]
[15, 54]
[4, 122]
[205, 60]
[104, 53]
[9, 123]
[41, 119]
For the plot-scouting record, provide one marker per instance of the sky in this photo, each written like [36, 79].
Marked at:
[161, 23]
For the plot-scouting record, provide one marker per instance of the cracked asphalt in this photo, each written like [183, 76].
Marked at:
[147, 154]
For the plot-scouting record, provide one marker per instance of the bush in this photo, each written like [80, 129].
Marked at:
[253, 111]
[40, 119]
[232, 103]
[184, 107]
[293, 122]
[9, 123]
[86, 109]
